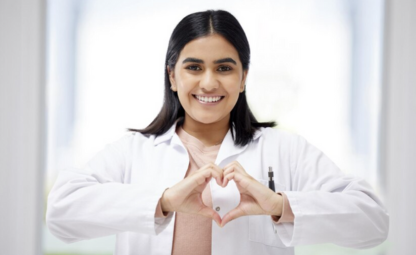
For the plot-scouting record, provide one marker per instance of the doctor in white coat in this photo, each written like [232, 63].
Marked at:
[120, 189]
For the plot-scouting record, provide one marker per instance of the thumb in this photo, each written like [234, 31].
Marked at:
[210, 213]
[231, 215]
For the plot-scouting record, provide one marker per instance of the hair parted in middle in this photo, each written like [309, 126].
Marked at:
[192, 27]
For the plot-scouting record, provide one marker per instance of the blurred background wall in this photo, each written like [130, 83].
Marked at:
[22, 125]
[398, 138]
[33, 89]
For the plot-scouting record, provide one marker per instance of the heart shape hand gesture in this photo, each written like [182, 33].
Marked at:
[255, 198]
[186, 196]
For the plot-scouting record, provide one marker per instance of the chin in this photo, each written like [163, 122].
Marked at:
[206, 119]
[209, 120]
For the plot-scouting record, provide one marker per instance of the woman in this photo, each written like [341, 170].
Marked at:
[205, 158]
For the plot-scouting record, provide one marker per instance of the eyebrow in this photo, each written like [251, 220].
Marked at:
[193, 60]
[219, 61]
[225, 60]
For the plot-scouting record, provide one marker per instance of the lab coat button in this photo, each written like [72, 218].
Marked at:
[217, 209]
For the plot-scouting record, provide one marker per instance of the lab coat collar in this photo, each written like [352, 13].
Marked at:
[228, 140]
[228, 148]
[167, 135]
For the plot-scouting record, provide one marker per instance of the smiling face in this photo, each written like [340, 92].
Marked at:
[208, 77]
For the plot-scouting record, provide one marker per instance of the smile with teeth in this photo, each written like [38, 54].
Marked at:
[204, 99]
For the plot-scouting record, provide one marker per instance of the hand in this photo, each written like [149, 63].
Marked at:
[255, 198]
[186, 196]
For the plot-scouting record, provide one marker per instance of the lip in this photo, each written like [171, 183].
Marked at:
[208, 103]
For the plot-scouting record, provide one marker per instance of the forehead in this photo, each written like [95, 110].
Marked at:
[210, 47]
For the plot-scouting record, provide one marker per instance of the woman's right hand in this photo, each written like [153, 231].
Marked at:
[186, 196]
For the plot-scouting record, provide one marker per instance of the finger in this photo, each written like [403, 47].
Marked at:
[225, 182]
[239, 179]
[210, 213]
[207, 166]
[228, 177]
[243, 181]
[212, 166]
[238, 165]
[235, 166]
[203, 168]
[236, 176]
[215, 168]
[228, 170]
[229, 167]
[208, 173]
[231, 215]
[219, 171]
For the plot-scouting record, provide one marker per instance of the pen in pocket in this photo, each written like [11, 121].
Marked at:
[271, 181]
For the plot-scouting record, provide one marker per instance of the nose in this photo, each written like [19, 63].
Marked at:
[209, 81]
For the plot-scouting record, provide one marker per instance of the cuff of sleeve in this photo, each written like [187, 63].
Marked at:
[159, 213]
[161, 219]
[287, 213]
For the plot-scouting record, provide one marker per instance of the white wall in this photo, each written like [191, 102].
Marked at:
[22, 33]
[398, 150]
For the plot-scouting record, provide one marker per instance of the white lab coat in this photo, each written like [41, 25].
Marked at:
[118, 190]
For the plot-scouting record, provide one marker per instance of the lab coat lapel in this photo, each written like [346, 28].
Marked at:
[229, 149]
[177, 155]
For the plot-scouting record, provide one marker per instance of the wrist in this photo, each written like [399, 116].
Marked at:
[164, 203]
[278, 205]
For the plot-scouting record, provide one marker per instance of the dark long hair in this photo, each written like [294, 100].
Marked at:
[191, 27]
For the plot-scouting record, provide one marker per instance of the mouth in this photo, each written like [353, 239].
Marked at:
[208, 99]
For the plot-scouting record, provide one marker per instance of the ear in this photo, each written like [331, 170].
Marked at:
[243, 81]
[172, 79]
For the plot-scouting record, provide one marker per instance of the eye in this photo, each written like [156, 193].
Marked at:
[193, 68]
[224, 68]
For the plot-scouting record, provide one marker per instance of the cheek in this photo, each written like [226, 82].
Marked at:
[184, 89]
[232, 85]
[185, 82]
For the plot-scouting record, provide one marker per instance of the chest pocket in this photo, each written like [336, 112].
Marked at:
[261, 227]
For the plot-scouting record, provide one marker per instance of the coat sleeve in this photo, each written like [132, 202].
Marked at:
[94, 201]
[330, 207]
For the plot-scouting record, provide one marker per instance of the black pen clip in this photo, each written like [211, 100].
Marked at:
[271, 181]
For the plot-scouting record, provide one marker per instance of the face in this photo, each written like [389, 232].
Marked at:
[208, 78]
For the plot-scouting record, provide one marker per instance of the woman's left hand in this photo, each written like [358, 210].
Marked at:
[255, 198]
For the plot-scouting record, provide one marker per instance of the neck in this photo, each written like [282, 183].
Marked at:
[209, 134]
